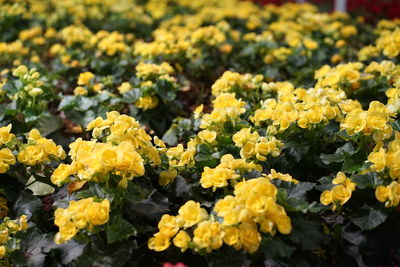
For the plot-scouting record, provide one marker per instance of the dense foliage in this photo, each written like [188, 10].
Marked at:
[219, 133]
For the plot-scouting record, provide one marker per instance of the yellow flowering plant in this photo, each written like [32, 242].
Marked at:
[213, 133]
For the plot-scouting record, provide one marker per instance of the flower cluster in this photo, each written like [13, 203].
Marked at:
[372, 121]
[7, 157]
[300, 106]
[81, 214]
[8, 228]
[251, 209]
[123, 153]
[340, 193]
[227, 170]
[252, 144]
[39, 150]
[389, 194]
[226, 107]
[383, 159]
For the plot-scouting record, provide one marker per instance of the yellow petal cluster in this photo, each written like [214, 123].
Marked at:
[81, 214]
[340, 193]
[226, 107]
[372, 121]
[389, 194]
[123, 154]
[39, 150]
[228, 169]
[8, 228]
[240, 219]
[383, 158]
[252, 144]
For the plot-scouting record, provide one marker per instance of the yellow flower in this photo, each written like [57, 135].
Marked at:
[167, 177]
[124, 87]
[182, 240]
[168, 225]
[159, 242]
[5, 135]
[147, 102]
[348, 31]
[341, 194]
[6, 159]
[250, 237]
[23, 222]
[68, 231]
[191, 213]
[207, 235]
[326, 197]
[225, 205]
[232, 236]
[34, 134]
[98, 212]
[257, 204]
[310, 44]
[284, 224]
[3, 252]
[208, 136]
[248, 150]
[378, 160]
[79, 90]
[85, 77]
[60, 174]
[382, 193]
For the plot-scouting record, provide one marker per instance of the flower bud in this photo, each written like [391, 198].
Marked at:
[35, 92]
[35, 75]
[21, 70]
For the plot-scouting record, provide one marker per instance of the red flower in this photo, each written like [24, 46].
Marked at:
[179, 264]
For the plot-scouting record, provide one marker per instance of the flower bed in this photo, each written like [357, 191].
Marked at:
[150, 133]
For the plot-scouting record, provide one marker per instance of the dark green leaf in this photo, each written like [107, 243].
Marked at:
[276, 247]
[131, 96]
[370, 179]
[368, 218]
[48, 124]
[330, 158]
[171, 136]
[307, 233]
[299, 190]
[27, 204]
[118, 229]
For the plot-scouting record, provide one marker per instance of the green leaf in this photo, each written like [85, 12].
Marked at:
[96, 190]
[32, 245]
[299, 190]
[395, 125]
[171, 136]
[84, 103]
[67, 102]
[296, 204]
[27, 204]
[165, 90]
[118, 229]
[203, 153]
[153, 207]
[331, 158]
[39, 188]
[340, 155]
[96, 253]
[368, 218]
[370, 179]
[307, 233]
[353, 162]
[70, 251]
[48, 124]
[131, 96]
[275, 247]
